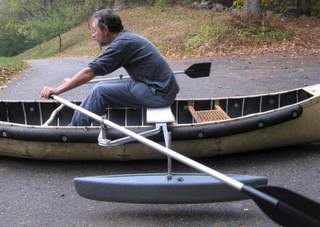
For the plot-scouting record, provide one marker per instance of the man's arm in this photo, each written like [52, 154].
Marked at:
[78, 79]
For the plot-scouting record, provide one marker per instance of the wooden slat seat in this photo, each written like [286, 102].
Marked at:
[216, 114]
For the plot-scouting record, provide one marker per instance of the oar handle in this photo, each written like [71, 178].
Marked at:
[228, 180]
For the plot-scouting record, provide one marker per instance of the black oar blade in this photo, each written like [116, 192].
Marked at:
[285, 207]
[199, 70]
[305, 210]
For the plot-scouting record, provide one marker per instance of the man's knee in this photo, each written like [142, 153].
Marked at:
[112, 90]
[99, 88]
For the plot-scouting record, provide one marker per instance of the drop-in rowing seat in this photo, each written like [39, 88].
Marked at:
[160, 115]
[160, 188]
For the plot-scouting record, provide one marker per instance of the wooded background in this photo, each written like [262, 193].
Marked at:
[26, 23]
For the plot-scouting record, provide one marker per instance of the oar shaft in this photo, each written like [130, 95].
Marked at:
[123, 77]
[228, 180]
[179, 72]
[107, 79]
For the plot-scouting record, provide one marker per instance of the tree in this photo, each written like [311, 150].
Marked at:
[25, 23]
[252, 8]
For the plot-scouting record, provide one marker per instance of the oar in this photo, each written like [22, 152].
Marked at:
[283, 206]
[197, 70]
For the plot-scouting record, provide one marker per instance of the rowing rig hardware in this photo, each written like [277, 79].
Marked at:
[53, 115]
[158, 116]
[281, 205]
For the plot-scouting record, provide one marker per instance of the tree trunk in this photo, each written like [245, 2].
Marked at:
[299, 7]
[47, 3]
[60, 43]
[309, 8]
[304, 7]
[120, 4]
[252, 8]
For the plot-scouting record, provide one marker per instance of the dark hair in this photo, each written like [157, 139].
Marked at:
[107, 18]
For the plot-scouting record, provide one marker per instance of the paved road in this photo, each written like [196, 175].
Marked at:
[40, 193]
[229, 76]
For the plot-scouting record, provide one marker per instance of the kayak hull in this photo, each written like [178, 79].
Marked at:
[157, 188]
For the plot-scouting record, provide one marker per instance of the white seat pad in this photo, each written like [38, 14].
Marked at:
[160, 115]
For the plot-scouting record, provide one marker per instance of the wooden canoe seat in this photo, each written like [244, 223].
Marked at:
[216, 114]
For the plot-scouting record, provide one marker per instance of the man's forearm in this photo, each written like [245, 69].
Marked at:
[78, 79]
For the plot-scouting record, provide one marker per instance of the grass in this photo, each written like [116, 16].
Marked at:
[9, 67]
[181, 32]
[72, 43]
[165, 27]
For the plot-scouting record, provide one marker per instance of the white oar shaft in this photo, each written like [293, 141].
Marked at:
[121, 77]
[107, 79]
[228, 180]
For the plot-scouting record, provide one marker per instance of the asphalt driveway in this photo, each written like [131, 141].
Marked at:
[41, 193]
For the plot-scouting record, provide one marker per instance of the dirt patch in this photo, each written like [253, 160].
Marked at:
[228, 35]
[5, 74]
[9, 72]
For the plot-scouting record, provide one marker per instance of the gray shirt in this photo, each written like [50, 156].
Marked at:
[140, 58]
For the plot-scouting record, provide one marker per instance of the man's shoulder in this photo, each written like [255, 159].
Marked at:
[127, 35]
[127, 41]
[126, 38]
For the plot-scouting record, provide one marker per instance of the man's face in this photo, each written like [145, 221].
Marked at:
[98, 34]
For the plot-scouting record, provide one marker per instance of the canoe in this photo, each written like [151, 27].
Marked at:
[202, 127]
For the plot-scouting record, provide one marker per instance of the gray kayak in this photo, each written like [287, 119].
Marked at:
[158, 188]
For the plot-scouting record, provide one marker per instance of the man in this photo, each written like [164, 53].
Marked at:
[152, 82]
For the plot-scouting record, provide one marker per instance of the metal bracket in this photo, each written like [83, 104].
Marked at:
[168, 140]
[103, 141]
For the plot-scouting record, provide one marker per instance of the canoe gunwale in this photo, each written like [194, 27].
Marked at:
[179, 132]
[237, 126]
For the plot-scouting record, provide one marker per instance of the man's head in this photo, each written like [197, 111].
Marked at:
[104, 26]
